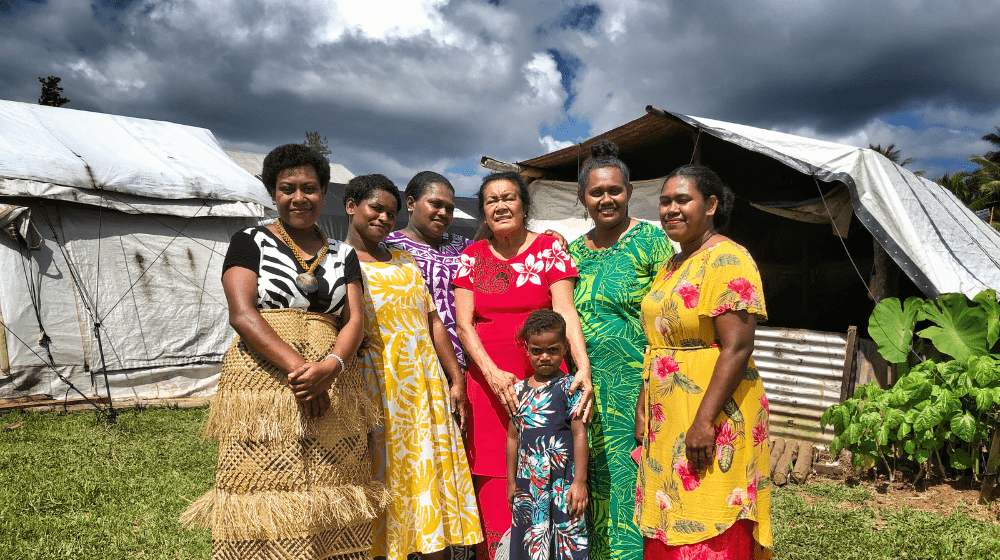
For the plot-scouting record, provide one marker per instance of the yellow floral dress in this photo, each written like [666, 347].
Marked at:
[418, 451]
[674, 503]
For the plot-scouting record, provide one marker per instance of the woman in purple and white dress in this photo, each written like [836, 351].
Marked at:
[430, 201]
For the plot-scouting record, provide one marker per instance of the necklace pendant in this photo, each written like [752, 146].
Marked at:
[307, 283]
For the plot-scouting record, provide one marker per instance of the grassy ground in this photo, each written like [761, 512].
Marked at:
[70, 487]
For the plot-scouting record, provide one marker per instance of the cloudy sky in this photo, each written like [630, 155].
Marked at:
[398, 86]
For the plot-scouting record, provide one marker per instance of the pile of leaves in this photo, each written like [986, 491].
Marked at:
[943, 410]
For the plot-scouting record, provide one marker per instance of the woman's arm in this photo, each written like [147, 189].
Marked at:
[511, 462]
[640, 415]
[501, 382]
[240, 287]
[562, 303]
[735, 332]
[576, 497]
[446, 355]
[311, 380]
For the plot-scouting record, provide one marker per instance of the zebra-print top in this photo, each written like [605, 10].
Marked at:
[261, 251]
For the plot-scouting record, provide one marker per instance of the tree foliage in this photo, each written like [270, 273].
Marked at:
[892, 154]
[51, 92]
[314, 141]
[945, 408]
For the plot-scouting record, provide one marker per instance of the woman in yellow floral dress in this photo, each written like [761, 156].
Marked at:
[418, 451]
[704, 486]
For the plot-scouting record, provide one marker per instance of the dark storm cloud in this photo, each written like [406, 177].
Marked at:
[483, 77]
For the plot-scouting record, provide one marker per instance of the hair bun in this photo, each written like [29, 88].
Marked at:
[604, 148]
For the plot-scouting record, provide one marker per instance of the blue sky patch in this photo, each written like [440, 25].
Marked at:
[583, 17]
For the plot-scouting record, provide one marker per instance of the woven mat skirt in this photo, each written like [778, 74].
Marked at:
[289, 486]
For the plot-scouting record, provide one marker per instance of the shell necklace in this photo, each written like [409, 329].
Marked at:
[305, 281]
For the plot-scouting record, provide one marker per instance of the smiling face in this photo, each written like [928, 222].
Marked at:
[502, 207]
[684, 212]
[606, 197]
[433, 212]
[298, 197]
[375, 217]
[546, 351]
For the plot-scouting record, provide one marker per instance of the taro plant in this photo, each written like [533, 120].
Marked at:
[944, 407]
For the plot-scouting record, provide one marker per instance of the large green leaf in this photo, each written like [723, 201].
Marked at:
[964, 426]
[987, 299]
[928, 418]
[960, 459]
[960, 328]
[891, 327]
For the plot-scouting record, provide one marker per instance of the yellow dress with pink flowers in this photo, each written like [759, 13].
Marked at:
[675, 504]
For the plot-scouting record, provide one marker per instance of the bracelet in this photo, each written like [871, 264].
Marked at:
[339, 359]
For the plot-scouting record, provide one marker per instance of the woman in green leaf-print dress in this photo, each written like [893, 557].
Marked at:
[704, 478]
[617, 261]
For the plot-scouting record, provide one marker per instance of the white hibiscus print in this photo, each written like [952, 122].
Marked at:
[465, 265]
[529, 271]
[555, 257]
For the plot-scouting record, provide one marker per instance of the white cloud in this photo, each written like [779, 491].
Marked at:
[552, 145]
[544, 78]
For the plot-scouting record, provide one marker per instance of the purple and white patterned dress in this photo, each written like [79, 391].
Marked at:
[438, 267]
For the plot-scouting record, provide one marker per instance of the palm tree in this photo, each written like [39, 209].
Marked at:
[986, 179]
[892, 155]
[993, 138]
[959, 185]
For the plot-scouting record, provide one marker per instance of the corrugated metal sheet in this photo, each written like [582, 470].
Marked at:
[803, 373]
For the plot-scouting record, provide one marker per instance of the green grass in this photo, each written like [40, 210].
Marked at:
[71, 487]
[821, 531]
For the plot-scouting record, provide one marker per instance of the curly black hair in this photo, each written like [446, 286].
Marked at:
[709, 184]
[421, 182]
[542, 321]
[513, 177]
[363, 187]
[603, 153]
[290, 156]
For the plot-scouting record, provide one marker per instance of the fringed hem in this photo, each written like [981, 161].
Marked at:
[275, 415]
[275, 515]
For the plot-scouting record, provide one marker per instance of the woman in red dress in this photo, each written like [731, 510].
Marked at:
[501, 280]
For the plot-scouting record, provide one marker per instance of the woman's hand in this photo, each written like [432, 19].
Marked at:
[576, 498]
[317, 407]
[559, 237]
[459, 397]
[502, 383]
[312, 379]
[700, 445]
[582, 382]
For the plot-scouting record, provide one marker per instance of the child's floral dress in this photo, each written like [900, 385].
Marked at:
[541, 525]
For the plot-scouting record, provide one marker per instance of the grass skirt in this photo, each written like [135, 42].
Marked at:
[289, 486]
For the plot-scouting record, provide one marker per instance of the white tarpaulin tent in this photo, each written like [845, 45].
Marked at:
[134, 217]
[935, 239]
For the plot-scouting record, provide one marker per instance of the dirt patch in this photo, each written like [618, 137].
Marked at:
[930, 495]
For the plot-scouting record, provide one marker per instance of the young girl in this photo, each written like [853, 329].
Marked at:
[547, 451]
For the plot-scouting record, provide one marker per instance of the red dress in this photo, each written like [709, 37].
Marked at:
[505, 292]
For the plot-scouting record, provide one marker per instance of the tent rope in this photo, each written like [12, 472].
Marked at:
[694, 150]
[29, 280]
[70, 386]
[841, 238]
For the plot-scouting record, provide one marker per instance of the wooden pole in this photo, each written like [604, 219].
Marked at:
[4, 358]
[780, 474]
[992, 463]
[886, 282]
[803, 466]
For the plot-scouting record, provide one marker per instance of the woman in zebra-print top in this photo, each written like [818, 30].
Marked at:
[291, 413]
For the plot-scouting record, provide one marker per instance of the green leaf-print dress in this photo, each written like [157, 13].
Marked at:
[674, 503]
[612, 284]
